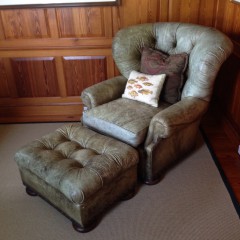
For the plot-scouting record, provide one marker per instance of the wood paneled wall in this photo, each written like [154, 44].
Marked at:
[49, 55]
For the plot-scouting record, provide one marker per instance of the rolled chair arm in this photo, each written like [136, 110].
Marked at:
[174, 118]
[103, 92]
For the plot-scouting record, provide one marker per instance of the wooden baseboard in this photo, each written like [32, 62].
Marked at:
[20, 114]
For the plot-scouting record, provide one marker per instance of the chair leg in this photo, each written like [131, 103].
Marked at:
[81, 229]
[154, 181]
[30, 192]
[129, 195]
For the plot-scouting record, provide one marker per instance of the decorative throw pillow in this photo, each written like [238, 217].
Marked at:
[144, 88]
[156, 62]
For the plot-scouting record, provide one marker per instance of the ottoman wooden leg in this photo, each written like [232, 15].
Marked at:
[157, 179]
[30, 192]
[81, 229]
[129, 195]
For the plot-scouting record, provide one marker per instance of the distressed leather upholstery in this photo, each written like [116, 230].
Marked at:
[79, 171]
[172, 130]
[129, 123]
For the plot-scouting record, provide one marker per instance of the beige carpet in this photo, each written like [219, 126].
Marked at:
[190, 203]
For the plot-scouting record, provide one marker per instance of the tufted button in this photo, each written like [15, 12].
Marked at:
[83, 156]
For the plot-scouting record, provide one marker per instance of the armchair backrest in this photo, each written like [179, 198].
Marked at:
[207, 47]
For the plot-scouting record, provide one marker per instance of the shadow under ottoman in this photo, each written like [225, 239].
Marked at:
[79, 171]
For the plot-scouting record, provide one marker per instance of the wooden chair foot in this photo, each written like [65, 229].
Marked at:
[30, 192]
[81, 229]
[154, 181]
[129, 195]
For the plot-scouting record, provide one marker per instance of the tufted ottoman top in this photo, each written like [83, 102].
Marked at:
[76, 160]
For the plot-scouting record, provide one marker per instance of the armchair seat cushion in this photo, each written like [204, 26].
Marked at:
[124, 119]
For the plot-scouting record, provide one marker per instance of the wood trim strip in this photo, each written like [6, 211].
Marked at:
[52, 22]
[40, 101]
[41, 113]
[54, 5]
[56, 53]
[42, 118]
[2, 34]
[11, 79]
[61, 77]
[55, 43]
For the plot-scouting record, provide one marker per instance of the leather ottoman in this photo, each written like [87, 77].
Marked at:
[79, 171]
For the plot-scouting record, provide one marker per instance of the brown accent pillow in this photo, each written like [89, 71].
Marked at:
[155, 62]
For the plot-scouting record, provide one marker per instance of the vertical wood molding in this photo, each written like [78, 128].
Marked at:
[163, 11]
[174, 10]
[116, 19]
[13, 93]
[4, 86]
[61, 77]
[108, 22]
[208, 8]
[2, 35]
[52, 22]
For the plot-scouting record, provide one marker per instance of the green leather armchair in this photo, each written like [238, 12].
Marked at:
[164, 134]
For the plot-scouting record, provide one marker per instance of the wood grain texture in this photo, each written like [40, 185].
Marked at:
[163, 11]
[35, 77]
[47, 113]
[54, 44]
[81, 22]
[8, 77]
[4, 89]
[2, 34]
[52, 22]
[230, 19]
[24, 23]
[82, 72]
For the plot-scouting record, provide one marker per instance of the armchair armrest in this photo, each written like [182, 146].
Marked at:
[103, 92]
[175, 118]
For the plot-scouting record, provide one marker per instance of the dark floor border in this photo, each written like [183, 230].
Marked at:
[220, 169]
